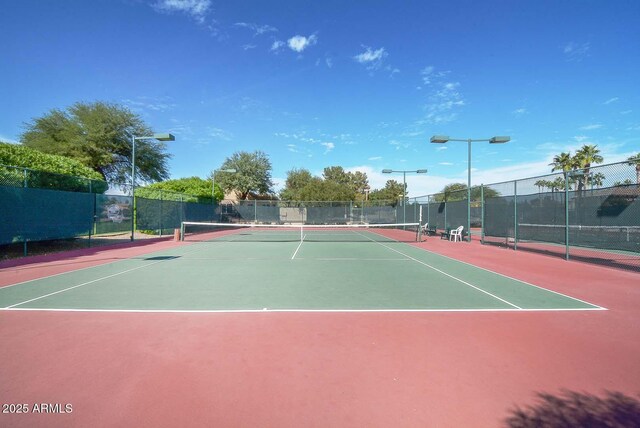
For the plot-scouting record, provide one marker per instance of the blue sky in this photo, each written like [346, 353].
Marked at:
[358, 84]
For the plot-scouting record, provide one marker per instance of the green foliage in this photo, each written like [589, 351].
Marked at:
[458, 192]
[354, 182]
[253, 174]
[297, 179]
[324, 190]
[99, 136]
[336, 185]
[580, 164]
[47, 171]
[191, 189]
[392, 191]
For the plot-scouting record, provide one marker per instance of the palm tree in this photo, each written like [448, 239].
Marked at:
[541, 184]
[597, 180]
[563, 162]
[635, 160]
[583, 159]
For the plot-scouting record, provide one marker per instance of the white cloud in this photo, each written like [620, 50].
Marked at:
[611, 100]
[277, 45]
[441, 148]
[580, 138]
[328, 146]
[590, 127]
[247, 47]
[576, 51]
[197, 9]
[300, 43]
[445, 163]
[372, 59]
[444, 103]
[329, 62]
[429, 74]
[519, 112]
[220, 134]
[257, 29]
[375, 158]
[150, 103]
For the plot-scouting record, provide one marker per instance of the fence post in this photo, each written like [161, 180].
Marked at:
[161, 194]
[255, 210]
[428, 210]
[515, 215]
[24, 177]
[566, 216]
[482, 213]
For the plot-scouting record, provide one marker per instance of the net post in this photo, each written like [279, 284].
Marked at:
[482, 213]
[182, 231]
[566, 216]
[301, 232]
[419, 237]
[515, 215]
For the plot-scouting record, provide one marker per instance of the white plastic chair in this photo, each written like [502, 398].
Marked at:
[457, 233]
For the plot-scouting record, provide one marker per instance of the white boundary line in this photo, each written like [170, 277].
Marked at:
[241, 311]
[514, 279]
[297, 249]
[451, 276]
[173, 257]
[84, 283]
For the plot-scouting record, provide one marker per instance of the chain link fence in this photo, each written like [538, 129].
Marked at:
[590, 214]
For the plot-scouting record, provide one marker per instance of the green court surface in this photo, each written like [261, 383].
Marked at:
[232, 275]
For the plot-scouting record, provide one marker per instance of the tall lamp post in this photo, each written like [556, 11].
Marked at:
[404, 188]
[159, 137]
[441, 139]
[213, 184]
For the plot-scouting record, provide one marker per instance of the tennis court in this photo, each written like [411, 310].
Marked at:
[255, 268]
[313, 326]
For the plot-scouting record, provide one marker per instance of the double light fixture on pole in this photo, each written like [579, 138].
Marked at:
[404, 187]
[159, 137]
[441, 139]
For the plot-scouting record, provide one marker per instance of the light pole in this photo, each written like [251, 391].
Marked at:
[404, 187]
[441, 139]
[213, 184]
[159, 137]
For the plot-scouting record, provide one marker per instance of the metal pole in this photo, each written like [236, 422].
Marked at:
[133, 186]
[404, 195]
[469, 192]
[482, 213]
[515, 214]
[566, 216]
[213, 193]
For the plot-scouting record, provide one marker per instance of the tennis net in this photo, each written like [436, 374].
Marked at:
[252, 232]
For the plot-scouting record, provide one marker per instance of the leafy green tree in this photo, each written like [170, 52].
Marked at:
[253, 174]
[356, 182]
[194, 186]
[66, 173]
[297, 179]
[318, 189]
[458, 192]
[99, 136]
[392, 191]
